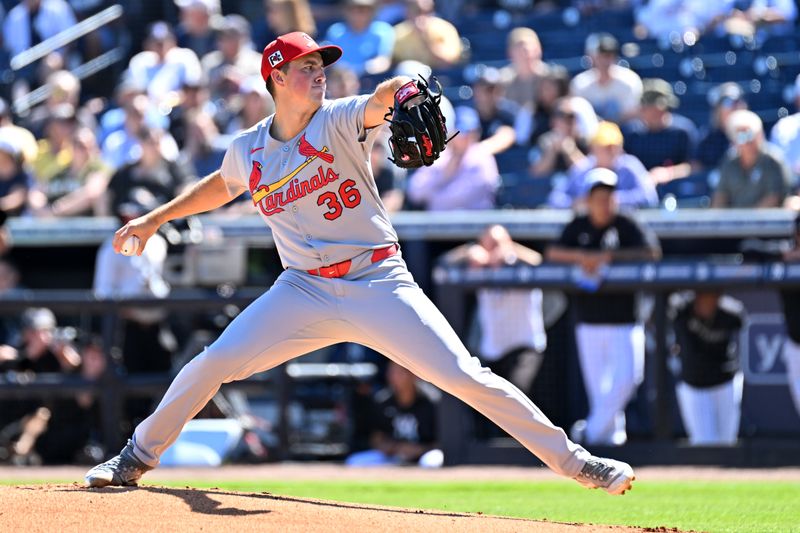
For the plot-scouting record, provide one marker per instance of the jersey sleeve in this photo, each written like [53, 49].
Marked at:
[233, 170]
[569, 236]
[348, 115]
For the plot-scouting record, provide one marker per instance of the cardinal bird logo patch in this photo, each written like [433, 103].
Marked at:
[255, 176]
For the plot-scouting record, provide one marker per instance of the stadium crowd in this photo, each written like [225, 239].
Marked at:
[681, 103]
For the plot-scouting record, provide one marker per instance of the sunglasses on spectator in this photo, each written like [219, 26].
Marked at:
[565, 114]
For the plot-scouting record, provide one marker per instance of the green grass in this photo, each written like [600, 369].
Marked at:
[724, 506]
[699, 506]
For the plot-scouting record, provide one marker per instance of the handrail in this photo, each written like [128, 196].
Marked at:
[55, 42]
[39, 95]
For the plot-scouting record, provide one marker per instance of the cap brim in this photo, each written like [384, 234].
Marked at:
[330, 54]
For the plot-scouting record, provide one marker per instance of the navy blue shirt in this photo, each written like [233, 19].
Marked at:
[713, 146]
[672, 145]
[20, 179]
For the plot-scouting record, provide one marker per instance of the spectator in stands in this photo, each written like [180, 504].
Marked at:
[790, 301]
[196, 29]
[255, 104]
[163, 68]
[64, 88]
[662, 140]
[44, 347]
[79, 190]
[610, 341]
[762, 18]
[714, 143]
[122, 146]
[663, 18]
[634, 188]
[563, 147]
[464, 177]
[367, 43]
[526, 69]
[33, 21]
[513, 338]
[23, 138]
[14, 180]
[341, 82]
[193, 128]
[614, 91]
[283, 16]
[497, 115]
[553, 86]
[425, 37]
[786, 136]
[403, 424]
[706, 326]
[233, 61]
[755, 175]
[148, 181]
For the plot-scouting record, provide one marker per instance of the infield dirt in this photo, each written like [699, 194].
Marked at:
[71, 507]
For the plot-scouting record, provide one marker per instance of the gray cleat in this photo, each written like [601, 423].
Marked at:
[615, 477]
[123, 470]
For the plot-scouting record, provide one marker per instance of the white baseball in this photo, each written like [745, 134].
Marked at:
[130, 245]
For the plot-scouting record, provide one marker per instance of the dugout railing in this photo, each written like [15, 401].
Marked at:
[453, 284]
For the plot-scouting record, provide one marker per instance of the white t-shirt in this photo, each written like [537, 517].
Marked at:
[614, 99]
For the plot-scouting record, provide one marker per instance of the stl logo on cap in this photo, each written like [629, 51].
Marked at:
[275, 58]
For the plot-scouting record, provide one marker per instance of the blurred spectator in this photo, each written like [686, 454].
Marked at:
[44, 347]
[663, 18]
[194, 129]
[391, 11]
[55, 149]
[706, 326]
[122, 146]
[614, 91]
[762, 18]
[113, 118]
[64, 88]
[563, 147]
[610, 341]
[513, 339]
[33, 21]
[234, 60]
[14, 180]
[162, 67]
[497, 115]
[714, 143]
[283, 16]
[634, 188]
[662, 140]
[341, 81]
[403, 425]
[389, 179]
[786, 136]
[755, 175]
[424, 37]
[367, 43]
[255, 104]
[23, 138]
[149, 181]
[79, 189]
[790, 301]
[552, 87]
[196, 30]
[464, 177]
[526, 69]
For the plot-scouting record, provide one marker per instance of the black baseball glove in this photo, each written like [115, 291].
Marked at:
[419, 133]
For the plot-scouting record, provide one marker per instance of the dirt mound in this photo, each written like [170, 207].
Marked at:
[67, 508]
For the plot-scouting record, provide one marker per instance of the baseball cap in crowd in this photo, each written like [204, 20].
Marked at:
[292, 46]
[726, 95]
[600, 177]
[658, 93]
[9, 144]
[211, 6]
[467, 119]
[601, 43]
[235, 25]
[607, 134]
[743, 126]
[160, 31]
[38, 318]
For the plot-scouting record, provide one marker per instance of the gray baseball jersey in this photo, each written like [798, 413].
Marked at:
[317, 194]
[316, 191]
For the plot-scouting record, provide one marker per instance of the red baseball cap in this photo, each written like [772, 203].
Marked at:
[292, 46]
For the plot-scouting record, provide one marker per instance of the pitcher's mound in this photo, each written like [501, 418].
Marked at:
[65, 508]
